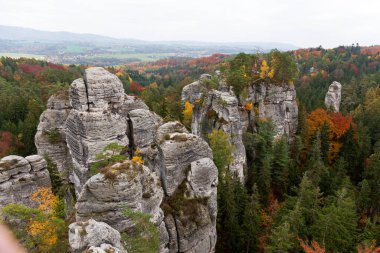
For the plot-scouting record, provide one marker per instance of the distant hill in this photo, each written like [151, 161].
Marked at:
[29, 34]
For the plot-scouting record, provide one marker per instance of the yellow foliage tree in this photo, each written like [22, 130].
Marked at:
[271, 73]
[187, 114]
[264, 69]
[46, 230]
[45, 198]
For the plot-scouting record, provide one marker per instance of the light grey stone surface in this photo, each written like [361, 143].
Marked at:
[333, 97]
[278, 103]
[20, 178]
[105, 199]
[214, 109]
[176, 151]
[97, 113]
[53, 119]
[93, 235]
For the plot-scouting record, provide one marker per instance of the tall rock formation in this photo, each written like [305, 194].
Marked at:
[219, 109]
[190, 180]
[50, 138]
[20, 178]
[92, 123]
[179, 166]
[333, 97]
[278, 103]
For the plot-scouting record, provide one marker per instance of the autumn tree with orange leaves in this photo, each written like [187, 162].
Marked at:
[337, 126]
[372, 248]
[41, 229]
[313, 248]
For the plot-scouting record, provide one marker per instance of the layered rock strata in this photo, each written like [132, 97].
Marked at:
[218, 109]
[278, 103]
[179, 165]
[21, 177]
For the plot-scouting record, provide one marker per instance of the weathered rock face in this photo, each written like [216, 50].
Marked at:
[95, 237]
[333, 96]
[178, 165]
[176, 151]
[214, 109]
[50, 138]
[219, 109]
[190, 181]
[20, 177]
[104, 198]
[92, 124]
[277, 102]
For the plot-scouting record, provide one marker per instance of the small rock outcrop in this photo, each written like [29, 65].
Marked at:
[95, 237]
[333, 97]
[20, 177]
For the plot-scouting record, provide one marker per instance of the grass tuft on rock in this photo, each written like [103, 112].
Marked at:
[144, 236]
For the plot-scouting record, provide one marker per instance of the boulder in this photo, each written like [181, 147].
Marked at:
[333, 97]
[94, 236]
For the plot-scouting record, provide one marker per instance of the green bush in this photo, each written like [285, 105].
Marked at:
[53, 136]
[145, 235]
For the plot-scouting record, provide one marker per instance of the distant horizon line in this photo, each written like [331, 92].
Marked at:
[178, 41]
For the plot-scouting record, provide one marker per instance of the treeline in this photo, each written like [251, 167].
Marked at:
[355, 67]
[25, 87]
[317, 193]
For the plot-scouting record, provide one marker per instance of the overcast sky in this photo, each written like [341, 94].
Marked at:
[304, 23]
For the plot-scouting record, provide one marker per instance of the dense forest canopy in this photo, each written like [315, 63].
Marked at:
[319, 193]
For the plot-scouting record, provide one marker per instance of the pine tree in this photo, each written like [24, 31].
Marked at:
[308, 201]
[325, 144]
[280, 166]
[295, 162]
[30, 126]
[336, 224]
[230, 226]
[338, 174]
[281, 240]
[264, 179]
[372, 175]
[251, 222]
[315, 168]
[364, 197]
[350, 152]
